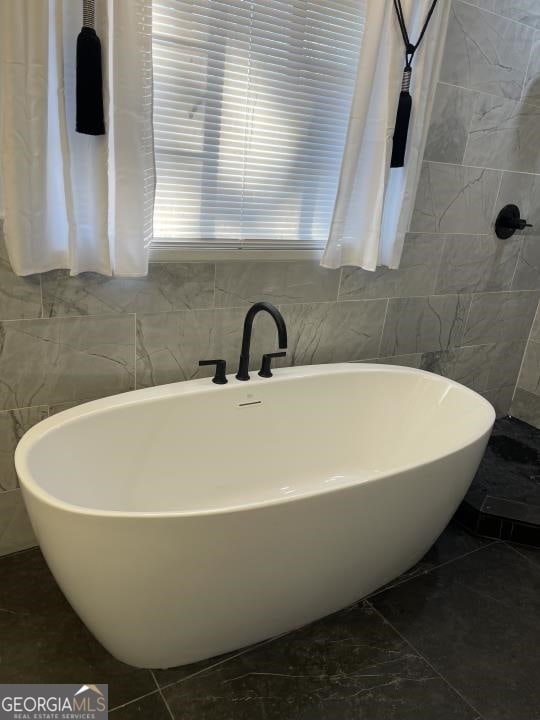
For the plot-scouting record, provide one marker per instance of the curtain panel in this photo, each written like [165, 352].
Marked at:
[75, 201]
[374, 203]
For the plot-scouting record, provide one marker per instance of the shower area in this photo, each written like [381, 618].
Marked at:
[482, 162]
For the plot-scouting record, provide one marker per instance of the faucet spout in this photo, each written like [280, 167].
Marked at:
[243, 366]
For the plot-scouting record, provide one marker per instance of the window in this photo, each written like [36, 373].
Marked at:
[251, 108]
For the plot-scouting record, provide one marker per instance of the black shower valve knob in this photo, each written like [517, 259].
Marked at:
[508, 221]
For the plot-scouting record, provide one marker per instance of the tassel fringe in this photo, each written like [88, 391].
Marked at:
[403, 118]
[89, 117]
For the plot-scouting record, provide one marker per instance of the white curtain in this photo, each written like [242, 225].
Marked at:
[76, 201]
[374, 203]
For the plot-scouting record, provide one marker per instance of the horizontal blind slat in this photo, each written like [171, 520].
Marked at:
[251, 105]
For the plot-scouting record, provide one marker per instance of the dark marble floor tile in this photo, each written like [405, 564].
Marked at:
[510, 467]
[532, 553]
[43, 641]
[453, 543]
[171, 675]
[476, 621]
[349, 666]
[504, 498]
[151, 707]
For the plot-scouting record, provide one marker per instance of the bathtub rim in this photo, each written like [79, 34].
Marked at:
[133, 397]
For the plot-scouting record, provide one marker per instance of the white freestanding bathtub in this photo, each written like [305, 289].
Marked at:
[191, 519]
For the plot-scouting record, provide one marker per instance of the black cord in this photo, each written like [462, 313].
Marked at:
[403, 116]
[426, 23]
[401, 20]
[411, 48]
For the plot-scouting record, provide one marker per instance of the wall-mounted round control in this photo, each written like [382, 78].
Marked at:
[508, 221]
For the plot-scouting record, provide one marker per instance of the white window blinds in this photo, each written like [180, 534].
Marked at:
[251, 108]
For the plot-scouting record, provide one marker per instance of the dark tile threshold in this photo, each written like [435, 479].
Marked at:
[503, 501]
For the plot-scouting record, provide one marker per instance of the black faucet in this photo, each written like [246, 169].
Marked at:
[243, 366]
[220, 376]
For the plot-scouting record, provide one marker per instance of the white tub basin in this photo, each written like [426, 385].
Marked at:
[191, 519]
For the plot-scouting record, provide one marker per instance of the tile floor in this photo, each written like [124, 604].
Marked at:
[503, 501]
[457, 637]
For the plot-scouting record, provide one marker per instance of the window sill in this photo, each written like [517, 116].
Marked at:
[164, 252]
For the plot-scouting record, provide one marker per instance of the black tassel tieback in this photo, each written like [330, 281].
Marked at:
[90, 117]
[403, 116]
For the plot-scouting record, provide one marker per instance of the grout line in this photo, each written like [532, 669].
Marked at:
[41, 295]
[499, 15]
[166, 704]
[518, 258]
[435, 234]
[496, 203]
[339, 283]
[424, 658]
[214, 292]
[422, 573]
[473, 167]
[463, 87]
[466, 320]
[96, 316]
[383, 326]
[135, 354]
[526, 76]
[22, 550]
[130, 702]
[496, 342]
[430, 295]
[177, 262]
[516, 386]
[26, 407]
[388, 297]
[512, 546]
[443, 242]
[162, 695]
[469, 130]
[243, 651]
[119, 315]
[519, 101]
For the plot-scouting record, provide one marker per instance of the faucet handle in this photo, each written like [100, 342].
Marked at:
[221, 370]
[266, 363]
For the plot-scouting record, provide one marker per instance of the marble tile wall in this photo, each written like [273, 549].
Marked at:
[461, 304]
[526, 402]
[483, 151]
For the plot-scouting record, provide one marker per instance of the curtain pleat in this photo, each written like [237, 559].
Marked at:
[374, 204]
[76, 201]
